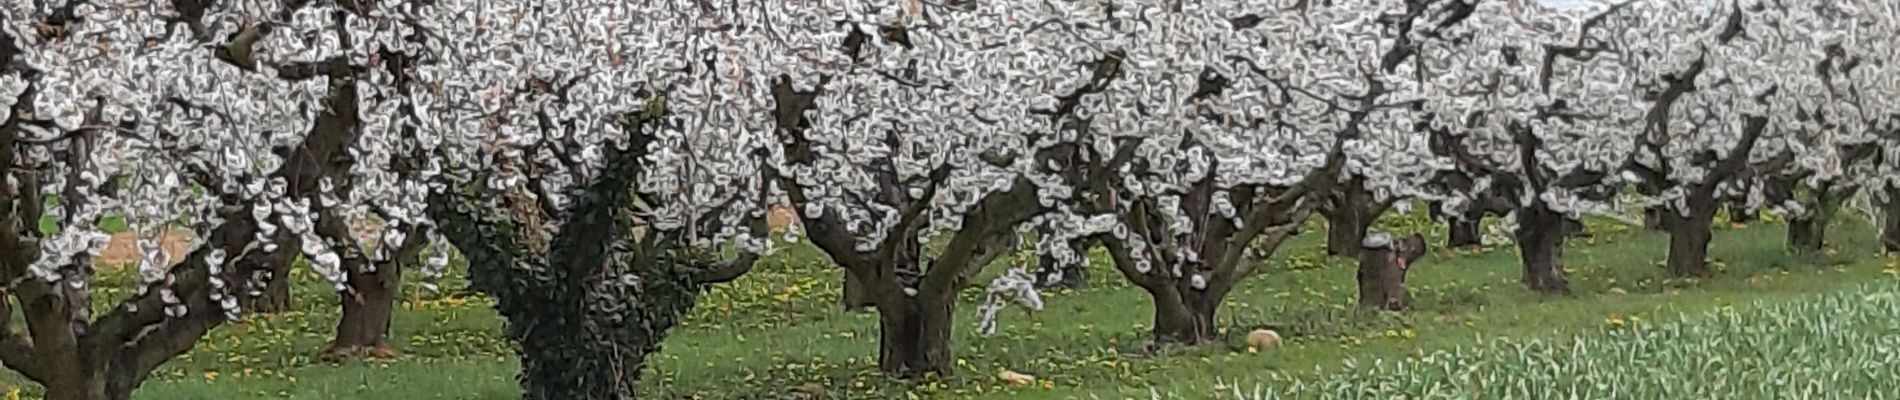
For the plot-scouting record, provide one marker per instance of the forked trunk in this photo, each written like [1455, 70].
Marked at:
[1540, 242]
[1183, 316]
[914, 334]
[1689, 236]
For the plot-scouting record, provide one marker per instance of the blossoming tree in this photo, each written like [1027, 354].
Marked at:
[239, 122]
[597, 156]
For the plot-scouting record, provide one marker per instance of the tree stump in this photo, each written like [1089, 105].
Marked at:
[1383, 262]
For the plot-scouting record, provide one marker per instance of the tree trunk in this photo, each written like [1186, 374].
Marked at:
[1381, 281]
[1574, 228]
[1467, 231]
[1540, 242]
[1052, 274]
[1890, 221]
[1689, 237]
[276, 295]
[1382, 268]
[1657, 218]
[81, 388]
[1055, 275]
[368, 305]
[1183, 315]
[856, 296]
[1345, 228]
[914, 334]
[1805, 235]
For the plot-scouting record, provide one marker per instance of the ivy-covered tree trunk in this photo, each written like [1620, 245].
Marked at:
[1689, 235]
[1383, 263]
[587, 306]
[1540, 241]
[1807, 231]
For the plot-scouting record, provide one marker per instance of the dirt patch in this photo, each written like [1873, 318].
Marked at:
[781, 217]
[124, 247]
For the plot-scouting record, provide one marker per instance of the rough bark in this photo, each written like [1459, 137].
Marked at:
[1349, 214]
[363, 330]
[369, 300]
[1689, 237]
[1540, 241]
[856, 296]
[1383, 262]
[914, 335]
[1184, 315]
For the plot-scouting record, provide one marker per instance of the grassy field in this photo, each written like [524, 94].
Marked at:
[777, 333]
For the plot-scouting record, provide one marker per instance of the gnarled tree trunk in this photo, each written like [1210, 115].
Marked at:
[1540, 241]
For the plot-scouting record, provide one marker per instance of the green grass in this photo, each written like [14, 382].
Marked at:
[1838, 345]
[779, 328]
